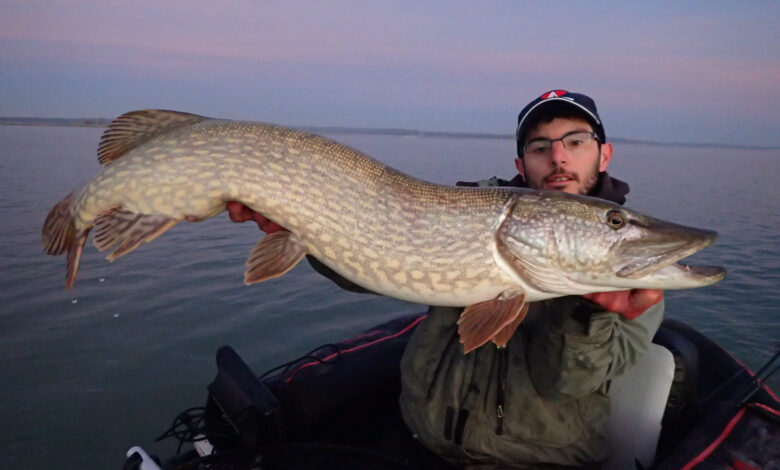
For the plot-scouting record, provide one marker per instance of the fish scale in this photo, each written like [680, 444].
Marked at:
[491, 249]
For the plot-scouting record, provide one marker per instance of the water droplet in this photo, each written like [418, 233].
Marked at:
[73, 301]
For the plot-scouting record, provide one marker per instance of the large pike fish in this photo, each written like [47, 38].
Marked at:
[490, 249]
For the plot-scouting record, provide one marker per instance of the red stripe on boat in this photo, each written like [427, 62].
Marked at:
[726, 431]
[356, 348]
[740, 465]
[723, 435]
[766, 408]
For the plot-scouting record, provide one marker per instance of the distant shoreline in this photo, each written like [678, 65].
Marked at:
[102, 122]
[55, 122]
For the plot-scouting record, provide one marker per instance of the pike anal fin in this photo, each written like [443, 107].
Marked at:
[128, 229]
[273, 256]
[495, 320]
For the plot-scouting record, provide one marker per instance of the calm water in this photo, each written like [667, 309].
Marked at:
[86, 373]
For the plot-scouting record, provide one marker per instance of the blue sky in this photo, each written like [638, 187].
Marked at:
[693, 72]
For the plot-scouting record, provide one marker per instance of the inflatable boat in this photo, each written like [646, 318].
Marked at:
[337, 408]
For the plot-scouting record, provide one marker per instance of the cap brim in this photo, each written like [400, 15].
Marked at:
[535, 109]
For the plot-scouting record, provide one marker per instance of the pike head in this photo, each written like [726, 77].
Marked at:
[560, 244]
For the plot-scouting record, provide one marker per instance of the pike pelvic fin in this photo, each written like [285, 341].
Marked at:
[273, 256]
[136, 127]
[495, 319]
[129, 229]
[59, 234]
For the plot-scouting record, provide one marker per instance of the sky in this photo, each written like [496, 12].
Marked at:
[703, 72]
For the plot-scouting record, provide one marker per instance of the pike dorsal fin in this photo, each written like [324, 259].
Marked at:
[136, 127]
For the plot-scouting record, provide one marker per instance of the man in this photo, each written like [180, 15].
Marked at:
[540, 402]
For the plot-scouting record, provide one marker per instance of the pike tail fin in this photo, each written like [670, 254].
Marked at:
[59, 234]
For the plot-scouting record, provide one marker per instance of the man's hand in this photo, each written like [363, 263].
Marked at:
[627, 303]
[241, 213]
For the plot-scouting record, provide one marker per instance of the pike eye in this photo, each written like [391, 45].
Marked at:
[615, 219]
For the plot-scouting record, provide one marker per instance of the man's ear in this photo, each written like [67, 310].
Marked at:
[520, 167]
[606, 156]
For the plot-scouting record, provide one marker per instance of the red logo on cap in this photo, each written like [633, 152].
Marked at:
[554, 94]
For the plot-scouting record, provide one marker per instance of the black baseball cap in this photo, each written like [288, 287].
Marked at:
[578, 100]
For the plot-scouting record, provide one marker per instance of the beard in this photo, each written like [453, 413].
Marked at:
[587, 181]
[590, 179]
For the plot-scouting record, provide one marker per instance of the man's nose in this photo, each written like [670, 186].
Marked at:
[558, 153]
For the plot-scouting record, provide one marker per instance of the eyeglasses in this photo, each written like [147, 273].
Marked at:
[575, 142]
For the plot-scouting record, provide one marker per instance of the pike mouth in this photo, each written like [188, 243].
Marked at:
[644, 266]
[682, 275]
[701, 271]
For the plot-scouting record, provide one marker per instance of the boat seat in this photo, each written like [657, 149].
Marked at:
[638, 402]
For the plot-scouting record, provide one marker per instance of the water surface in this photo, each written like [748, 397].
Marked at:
[86, 373]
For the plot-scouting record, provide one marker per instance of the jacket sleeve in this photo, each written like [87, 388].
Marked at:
[576, 348]
[336, 277]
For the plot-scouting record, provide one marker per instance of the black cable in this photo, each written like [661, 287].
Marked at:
[310, 356]
[190, 426]
[758, 379]
[754, 385]
[758, 384]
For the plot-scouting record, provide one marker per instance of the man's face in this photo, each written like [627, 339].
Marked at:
[563, 169]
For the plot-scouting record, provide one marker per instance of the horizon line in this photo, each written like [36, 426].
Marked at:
[394, 131]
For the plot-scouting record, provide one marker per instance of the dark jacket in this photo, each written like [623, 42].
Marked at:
[539, 403]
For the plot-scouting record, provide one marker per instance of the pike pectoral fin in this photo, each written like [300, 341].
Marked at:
[503, 336]
[128, 229]
[272, 256]
[494, 319]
